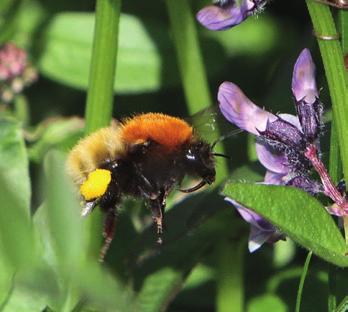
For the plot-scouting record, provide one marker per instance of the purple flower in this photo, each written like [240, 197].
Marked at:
[282, 140]
[261, 231]
[224, 14]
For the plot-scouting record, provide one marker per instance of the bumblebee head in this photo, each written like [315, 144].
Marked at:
[94, 187]
[199, 161]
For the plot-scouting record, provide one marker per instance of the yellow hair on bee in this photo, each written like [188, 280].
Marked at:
[92, 151]
[96, 184]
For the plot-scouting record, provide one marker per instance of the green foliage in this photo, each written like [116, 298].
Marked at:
[48, 252]
[144, 49]
[14, 183]
[294, 212]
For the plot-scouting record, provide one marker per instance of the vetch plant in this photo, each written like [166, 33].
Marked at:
[224, 14]
[287, 146]
[282, 139]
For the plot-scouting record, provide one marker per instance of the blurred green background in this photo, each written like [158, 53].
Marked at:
[204, 264]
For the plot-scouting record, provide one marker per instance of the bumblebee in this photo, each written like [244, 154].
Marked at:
[145, 156]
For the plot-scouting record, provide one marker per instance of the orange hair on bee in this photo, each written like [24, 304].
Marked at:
[92, 151]
[168, 131]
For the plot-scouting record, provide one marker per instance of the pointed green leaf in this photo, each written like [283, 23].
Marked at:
[299, 215]
[15, 228]
[63, 215]
[14, 162]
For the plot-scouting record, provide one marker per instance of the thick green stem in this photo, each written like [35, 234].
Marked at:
[103, 65]
[332, 57]
[100, 90]
[230, 295]
[189, 56]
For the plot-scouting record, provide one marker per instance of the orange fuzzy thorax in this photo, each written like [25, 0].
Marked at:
[170, 132]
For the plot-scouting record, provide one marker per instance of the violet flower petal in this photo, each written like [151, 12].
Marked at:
[271, 160]
[261, 230]
[224, 14]
[257, 238]
[251, 217]
[306, 184]
[274, 178]
[239, 110]
[291, 119]
[303, 79]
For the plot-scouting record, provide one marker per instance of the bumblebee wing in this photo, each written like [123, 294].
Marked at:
[212, 126]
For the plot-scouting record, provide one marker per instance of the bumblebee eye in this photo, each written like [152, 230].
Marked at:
[96, 184]
[189, 155]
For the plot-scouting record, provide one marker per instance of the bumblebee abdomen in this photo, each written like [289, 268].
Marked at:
[94, 150]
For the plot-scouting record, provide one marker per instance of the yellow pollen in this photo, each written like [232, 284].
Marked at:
[96, 184]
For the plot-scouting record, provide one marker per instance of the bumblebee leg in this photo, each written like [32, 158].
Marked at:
[157, 207]
[108, 233]
[157, 217]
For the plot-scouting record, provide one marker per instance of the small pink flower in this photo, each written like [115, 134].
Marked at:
[15, 72]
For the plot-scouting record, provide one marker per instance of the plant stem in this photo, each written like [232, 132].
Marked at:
[100, 91]
[230, 276]
[332, 57]
[190, 60]
[302, 280]
[103, 65]
[332, 300]
[189, 55]
[21, 110]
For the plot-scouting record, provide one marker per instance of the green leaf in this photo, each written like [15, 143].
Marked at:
[58, 133]
[62, 232]
[192, 226]
[103, 290]
[297, 214]
[63, 215]
[8, 18]
[67, 53]
[14, 162]
[23, 299]
[146, 56]
[267, 303]
[157, 288]
[15, 228]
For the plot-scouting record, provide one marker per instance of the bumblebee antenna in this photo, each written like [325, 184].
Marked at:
[195, 188]
[223, 137]
[222, 155]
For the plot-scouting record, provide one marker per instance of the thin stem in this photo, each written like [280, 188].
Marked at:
[332, 300]
[302, 280]
[330, 189]
[332, 57]
[21, 110]
[103, 65]
[230, 276]
[335, 168]
[190, 60]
